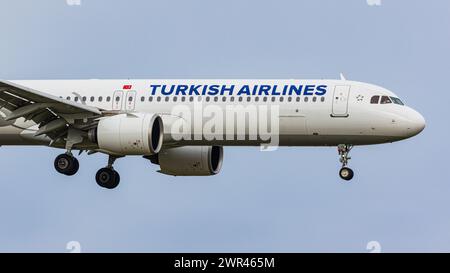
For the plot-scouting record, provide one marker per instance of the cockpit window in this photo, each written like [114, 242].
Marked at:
[385, 100]
[375, 99]
[397, 101]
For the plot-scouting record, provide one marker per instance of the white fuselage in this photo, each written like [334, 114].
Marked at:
[308, 112]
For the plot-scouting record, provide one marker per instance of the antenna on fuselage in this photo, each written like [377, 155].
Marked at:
[342, 77]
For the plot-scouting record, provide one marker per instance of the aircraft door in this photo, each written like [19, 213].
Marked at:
[130, 100]
[117, 100]
[340, 101]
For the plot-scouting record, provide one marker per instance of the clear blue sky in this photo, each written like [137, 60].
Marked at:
[290, 200]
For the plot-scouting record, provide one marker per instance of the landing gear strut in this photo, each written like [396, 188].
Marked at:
[345, 172]
[107, 177]
[66, 164]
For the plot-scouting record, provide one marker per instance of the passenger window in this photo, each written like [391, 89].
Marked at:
[92, 99]
[273, 99]
[322, 99]
[375, 99]
[231, 98]
[175, 98]
[150, 98]
[306, 99]
[84, 98]
[224, 99]
[142, 99]
[298, 99]
[256, 99]
[100, 99]
[167, 99]
[130, 98]
[158, 98]
[117, 98]
[289, 99]
[385, 100]
[183, 98]
[249, 99]
[207, 99]
[76, 98]
[216, 99]
[240, 98]
[314, 99]
[265, 99]
[191, 99]
[68, 98]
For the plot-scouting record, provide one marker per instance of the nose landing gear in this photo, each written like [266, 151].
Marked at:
[345, 172]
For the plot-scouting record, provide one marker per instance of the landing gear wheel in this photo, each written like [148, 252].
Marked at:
[66, 164]
[107, 178]
[346, 173]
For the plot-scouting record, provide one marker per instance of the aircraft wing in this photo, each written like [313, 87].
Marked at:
[52, 113]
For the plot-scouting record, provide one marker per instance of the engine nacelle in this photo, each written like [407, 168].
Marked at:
[129, 134]
[190, 160]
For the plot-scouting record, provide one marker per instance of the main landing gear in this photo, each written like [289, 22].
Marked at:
[107, 177]
[66, 164]
[345, 172]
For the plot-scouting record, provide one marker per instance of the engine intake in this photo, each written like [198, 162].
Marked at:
[129, 134]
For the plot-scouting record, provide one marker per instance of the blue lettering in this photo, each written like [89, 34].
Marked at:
[309, 90]
[193, 89]
[255, 90]
[295, 89]
[181, 89]
[244, 90]
[213, 90]
[227, 89]
[275, 92]
[321, 90]
[154, 88]
[264, 90]
[164, 90]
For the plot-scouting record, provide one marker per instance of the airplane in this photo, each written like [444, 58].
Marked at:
[121, 118]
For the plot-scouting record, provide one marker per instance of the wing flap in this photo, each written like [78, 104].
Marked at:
[53, 114]
[61, 105]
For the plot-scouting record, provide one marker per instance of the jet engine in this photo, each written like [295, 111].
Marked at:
[129, 134]
[189, 160]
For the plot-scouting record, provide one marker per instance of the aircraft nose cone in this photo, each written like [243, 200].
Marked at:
[416, 123]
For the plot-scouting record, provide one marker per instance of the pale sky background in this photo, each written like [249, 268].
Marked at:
[291, 200]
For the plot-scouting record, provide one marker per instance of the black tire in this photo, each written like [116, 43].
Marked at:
[66, 164]
[117, 179]
[346, 173]
[107, 178]
[75, 167]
